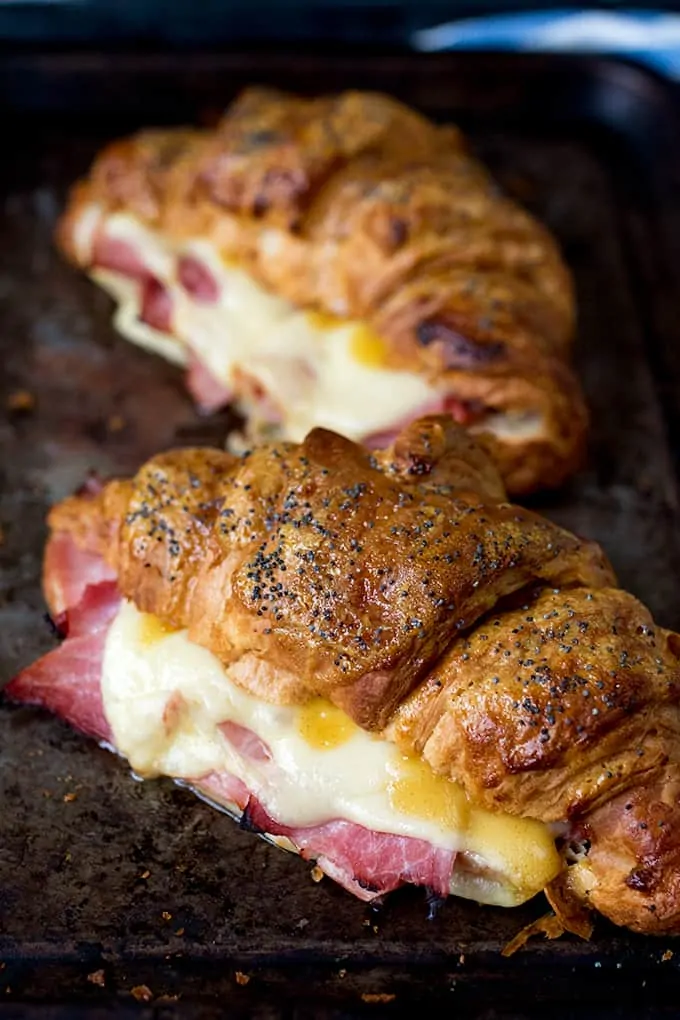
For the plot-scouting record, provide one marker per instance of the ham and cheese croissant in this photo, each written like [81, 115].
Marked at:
[378, 661]
[338, 262]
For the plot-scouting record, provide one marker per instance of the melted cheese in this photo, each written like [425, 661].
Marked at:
[125, 293]
[152, 629]
[165, 697]
[323, 725]
[317, 369]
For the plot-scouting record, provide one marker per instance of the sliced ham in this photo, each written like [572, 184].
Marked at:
[209, 393]
[69, 570]
[197, 280]
[156, 305]
[118, 256]
[222, 788]
[67, 681]
[247, 743]
[253, 394]
[464, 412]
[366, 863]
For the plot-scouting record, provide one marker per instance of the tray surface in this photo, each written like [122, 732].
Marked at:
[141, 881]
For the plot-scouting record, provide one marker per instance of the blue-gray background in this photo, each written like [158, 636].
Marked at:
[643, 31]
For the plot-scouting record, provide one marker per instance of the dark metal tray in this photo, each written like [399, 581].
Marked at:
[141, 884]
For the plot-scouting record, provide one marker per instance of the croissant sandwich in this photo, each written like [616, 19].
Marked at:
[377, 661]
[338, 262]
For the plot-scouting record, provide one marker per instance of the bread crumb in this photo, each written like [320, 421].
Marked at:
[241, 978]
[316, 873]
[342, 973]
[145, 874]
[180, 931]
[96, 978]
[668, 955]
[166, 915]
[142, 993]
[69, 798]
[20, 400]
[461, 959]
[116, 423]
[378, 997]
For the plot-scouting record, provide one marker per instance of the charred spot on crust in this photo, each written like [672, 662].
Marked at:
[458, 350]
[398, 232]
[642, 879]
[260, 206]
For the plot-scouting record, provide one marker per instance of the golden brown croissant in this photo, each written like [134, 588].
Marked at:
[489, 650]
[340, 262]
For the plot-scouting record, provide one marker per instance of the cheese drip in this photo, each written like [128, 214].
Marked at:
[318, 370]
[165, 699]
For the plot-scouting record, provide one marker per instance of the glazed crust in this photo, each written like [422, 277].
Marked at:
[348, 572]
[631, 871]
[403, 586]
[356, 206]
[551, 708]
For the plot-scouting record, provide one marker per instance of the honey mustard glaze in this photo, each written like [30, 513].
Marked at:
[323, 320]
[365, 346]
[521, 850]
[323, 726]
[416, 790]
[153, 629]
[524, 848]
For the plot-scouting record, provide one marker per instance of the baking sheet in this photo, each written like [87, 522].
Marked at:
[107, 885]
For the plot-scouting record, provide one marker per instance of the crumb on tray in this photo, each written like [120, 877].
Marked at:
[142, 993]
[20, 400]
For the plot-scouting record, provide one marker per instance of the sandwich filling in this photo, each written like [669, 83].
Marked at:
[308, 773]
[282, 366]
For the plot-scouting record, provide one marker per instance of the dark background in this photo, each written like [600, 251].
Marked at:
[193, 22]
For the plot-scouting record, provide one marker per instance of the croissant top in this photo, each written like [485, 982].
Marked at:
[355, 206]
[347, 573]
